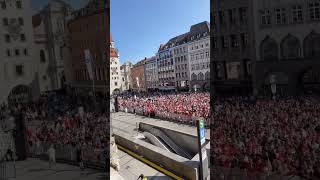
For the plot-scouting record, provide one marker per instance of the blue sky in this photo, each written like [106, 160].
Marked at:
[76, 4]
[138, 27]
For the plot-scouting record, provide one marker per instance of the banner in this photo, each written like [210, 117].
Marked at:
[88, 61]
[137, 78]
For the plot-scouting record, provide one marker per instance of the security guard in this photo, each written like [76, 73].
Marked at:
[142, 177]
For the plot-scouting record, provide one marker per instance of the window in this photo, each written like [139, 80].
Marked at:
[17, 52]
[207, 54]
[23, 37]
[18, 4]
[215, 44]
[19, 70]
[42, 56]
[243, 15]
[281, 16]
[20, 20]
[232, 18]
[244, 39]
[8, 52]
[266, 17]
[5, 21]
[297, 14]
[222, 17]
[44, 77]
[7, 37]
[3, 5]
[314, 11]
[234, 41]
[25, 51]
[224, 41]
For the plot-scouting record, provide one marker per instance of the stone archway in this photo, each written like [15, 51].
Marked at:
[20, 94]
[290, 47]
[269, 49]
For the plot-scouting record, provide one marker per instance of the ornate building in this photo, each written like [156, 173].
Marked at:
[50, 34]
[256, 40]
[18, 62]
[126, 75]
[116, 81]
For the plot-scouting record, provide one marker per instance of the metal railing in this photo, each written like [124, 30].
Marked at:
[93, 158]
[172, 117]
[222, 173]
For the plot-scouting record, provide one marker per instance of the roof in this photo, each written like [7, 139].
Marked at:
[36, 20]
[196, 29]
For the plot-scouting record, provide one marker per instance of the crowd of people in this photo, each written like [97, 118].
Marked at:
[281, 136]
[180, 105]
[62, 120]
[64, 123]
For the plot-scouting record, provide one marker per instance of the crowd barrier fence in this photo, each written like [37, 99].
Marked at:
[173, 117]
[94, 158]
[221, 173]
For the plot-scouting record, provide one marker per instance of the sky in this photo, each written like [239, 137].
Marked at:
[138, 27]
[76, 4]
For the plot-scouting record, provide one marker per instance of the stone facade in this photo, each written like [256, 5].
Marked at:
[126, 75]
[50, 33]
[253, 40]
[18, 62]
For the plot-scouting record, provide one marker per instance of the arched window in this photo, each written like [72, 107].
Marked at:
[207, 75]
[200, 76]
[290, 47]
[42, 56]
[193, 77]
[311, 45]
[269, 49]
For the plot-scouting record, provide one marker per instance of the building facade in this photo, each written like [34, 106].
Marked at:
[88, 30]
[257, 42]
[183, 62]
[18, 62]
[50, 33]
[126, 75]
[199, 56]
[166, 67]
[116, 81]
[151, 73]
[138, 76]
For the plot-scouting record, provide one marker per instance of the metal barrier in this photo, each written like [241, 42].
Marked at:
[221, 173]
[67, 153]
[7, 170]
[172, 117]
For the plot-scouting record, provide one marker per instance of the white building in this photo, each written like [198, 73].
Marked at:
[55, 16]
[199, 56]
[18, 62]
[50, 41]
[115, 73]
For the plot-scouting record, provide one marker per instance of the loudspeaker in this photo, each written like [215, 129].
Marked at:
[20, 136]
